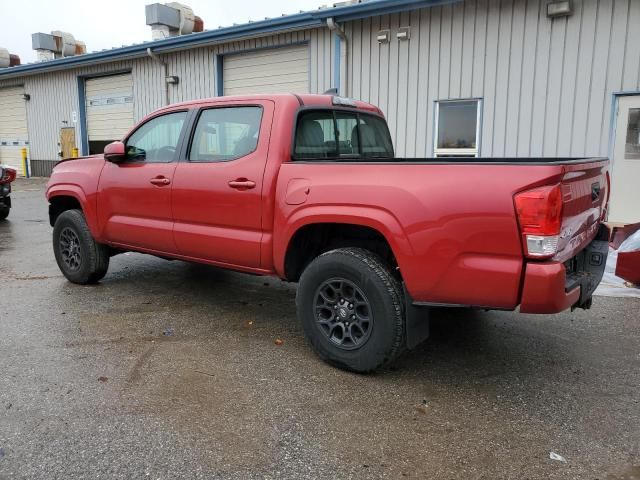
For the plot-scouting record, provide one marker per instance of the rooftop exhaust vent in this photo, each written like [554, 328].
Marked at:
[171, 20]
[56, 44]
[7, 59]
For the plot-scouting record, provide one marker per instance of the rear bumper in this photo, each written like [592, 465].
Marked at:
[552, 287]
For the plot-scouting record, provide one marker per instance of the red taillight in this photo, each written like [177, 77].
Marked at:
[540, 210]
[540, 218]
[9, 175]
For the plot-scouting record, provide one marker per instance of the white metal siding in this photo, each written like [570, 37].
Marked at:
[275, 70]
[196, 68]
[55, 101]
[546, 84]
[13, 126]
[109, 106]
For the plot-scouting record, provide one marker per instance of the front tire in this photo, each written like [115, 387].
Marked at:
[4, 212]
[80, 258]
[350, 307]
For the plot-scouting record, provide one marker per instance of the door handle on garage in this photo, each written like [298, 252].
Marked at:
[160, 181]
[242, 184]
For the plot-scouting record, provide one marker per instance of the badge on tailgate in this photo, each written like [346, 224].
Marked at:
[595, 191]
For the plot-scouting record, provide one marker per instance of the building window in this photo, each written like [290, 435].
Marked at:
[457, 128]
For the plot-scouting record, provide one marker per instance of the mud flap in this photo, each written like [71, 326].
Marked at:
[417, 321]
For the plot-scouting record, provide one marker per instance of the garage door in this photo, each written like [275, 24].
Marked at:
[109, 109]
[13, 126]
[276, 70]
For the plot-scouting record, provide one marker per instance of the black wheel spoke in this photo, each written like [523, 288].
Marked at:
[70, 251]
[343, 313]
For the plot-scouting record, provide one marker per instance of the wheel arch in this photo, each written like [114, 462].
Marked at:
[71, 197]
[313, 234]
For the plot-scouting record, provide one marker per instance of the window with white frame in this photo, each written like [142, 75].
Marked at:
[457, 130]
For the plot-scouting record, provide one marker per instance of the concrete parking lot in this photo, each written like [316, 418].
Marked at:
[171, 370]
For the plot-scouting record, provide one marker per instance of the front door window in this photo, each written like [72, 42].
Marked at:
[156, 141]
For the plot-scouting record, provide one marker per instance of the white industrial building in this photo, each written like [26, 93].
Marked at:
[514, 78]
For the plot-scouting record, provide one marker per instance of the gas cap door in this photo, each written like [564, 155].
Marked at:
[298, 190]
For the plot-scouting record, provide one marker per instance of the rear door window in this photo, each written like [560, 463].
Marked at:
[224, 134]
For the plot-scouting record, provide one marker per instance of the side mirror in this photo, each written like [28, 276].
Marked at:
[115, 152]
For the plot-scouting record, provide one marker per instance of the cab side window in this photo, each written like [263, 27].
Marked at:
[224, 134]
[156, 140]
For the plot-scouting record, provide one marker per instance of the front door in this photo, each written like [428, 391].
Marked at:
[67, 141]
[625, 172]
[217, 191]
[134, 196]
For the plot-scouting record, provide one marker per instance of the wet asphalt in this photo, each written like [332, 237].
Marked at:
[172, 370]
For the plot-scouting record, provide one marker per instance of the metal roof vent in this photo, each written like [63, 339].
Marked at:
[56, 44]
[346, 3]
[8, 59]
[172, 19]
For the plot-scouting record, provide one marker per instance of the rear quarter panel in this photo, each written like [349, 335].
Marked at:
[452, 227]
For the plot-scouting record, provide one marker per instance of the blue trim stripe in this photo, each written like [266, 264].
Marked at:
[615, 96]
[303, 20]
[82, 116]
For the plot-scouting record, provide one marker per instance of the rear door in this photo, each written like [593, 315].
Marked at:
[217, 190]
[134, 196]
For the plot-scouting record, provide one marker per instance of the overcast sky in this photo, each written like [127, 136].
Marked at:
[113, 23]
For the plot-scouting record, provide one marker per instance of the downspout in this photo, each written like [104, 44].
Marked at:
[342, 51]
[156, 58]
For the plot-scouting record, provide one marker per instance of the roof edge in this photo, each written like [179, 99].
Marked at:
[298, 21]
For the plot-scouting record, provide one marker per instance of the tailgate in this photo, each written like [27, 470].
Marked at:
[585, 194]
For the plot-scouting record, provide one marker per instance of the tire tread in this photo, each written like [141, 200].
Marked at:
[394, 292]
[97, 254]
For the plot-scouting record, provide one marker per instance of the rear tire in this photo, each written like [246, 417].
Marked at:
[4, 212]
[351, 310]
[80, 258]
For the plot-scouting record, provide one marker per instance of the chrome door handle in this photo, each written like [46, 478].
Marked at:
[160, 181]
[242, 184]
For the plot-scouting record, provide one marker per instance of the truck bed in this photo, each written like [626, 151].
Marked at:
[451, 221]
[471, 160]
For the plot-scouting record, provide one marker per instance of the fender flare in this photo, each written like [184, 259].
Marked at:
[377, 219]
[74, 191]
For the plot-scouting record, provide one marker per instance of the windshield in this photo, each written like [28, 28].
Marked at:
[337, 134]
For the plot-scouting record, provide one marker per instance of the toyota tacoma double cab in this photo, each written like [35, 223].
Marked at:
[307, 188]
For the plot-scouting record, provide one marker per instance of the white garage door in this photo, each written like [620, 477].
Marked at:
[13, 127]
[277, 70]
[109, 103]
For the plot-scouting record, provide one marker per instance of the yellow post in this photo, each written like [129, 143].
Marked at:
[74, 152]
[25, 166]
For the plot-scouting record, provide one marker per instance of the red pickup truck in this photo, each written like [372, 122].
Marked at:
[307, 188]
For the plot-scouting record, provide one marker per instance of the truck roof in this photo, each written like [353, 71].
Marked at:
[303, 99]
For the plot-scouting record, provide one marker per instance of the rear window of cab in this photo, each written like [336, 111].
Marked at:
[338, 134]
